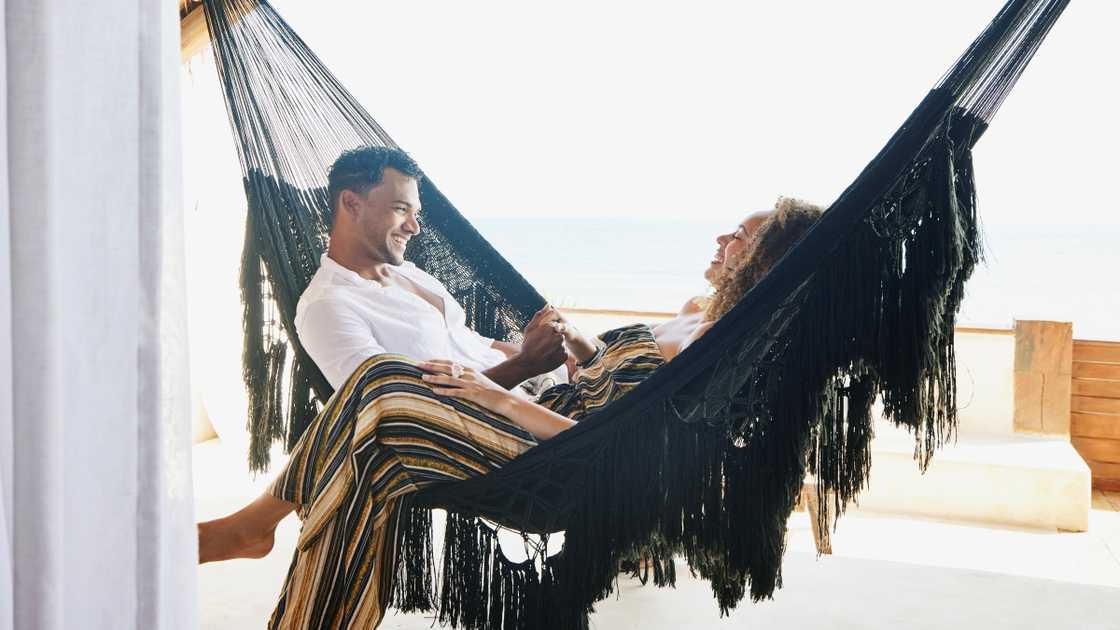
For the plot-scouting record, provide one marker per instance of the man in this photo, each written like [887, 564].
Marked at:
[366, 299]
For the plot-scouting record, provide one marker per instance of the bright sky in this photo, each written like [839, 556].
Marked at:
[699, 110]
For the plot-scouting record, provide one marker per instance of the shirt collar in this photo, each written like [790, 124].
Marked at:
[352, 277]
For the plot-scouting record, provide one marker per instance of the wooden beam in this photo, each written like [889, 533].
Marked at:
[193, 33]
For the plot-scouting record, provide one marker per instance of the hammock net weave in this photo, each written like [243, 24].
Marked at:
[707, 457]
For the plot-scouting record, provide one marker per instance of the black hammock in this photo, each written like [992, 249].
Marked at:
[705, 458]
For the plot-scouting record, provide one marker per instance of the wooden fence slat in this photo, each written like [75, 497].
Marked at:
[1108, 485]
[1096, 370]
[1094, 425]
[1099, 389]
[1104, 470]
[1097, 342]
[1098, 449]
[1082, 404]
[1095, 405]
[1100, 351]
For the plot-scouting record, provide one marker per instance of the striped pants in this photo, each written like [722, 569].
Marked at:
[385, 434]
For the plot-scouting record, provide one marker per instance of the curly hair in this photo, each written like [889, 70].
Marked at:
[782, 229]
[360, 169]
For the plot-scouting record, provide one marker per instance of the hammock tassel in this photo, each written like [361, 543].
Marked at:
[482, 588]
[413, 588]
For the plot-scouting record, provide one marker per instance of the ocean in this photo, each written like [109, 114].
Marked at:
[1061, 273]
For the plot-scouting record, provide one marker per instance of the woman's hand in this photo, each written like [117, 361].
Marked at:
[448, 378]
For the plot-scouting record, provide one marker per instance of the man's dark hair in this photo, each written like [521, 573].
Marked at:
[360, 169]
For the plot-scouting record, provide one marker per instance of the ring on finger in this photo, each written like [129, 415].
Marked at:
[456, 370]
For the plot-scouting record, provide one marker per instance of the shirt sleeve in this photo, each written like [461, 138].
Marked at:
[336, 339]
[485, 341]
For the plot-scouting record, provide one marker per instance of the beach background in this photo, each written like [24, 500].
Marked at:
[1030, 272]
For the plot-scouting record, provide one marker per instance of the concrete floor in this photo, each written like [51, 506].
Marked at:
[886, 572]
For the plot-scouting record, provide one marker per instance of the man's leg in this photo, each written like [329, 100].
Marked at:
[250, 531]
[387, 437]
[247, 533]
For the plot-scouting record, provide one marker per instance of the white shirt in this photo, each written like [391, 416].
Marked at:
[343, 319]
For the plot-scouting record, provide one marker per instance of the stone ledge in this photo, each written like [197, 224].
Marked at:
[1022, 480]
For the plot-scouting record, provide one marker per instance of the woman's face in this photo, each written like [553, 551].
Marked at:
[734, 244]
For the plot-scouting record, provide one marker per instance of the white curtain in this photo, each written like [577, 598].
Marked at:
[7, 618]
[96, 523]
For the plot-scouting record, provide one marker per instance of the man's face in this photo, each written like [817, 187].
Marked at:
[387, 216]
[734, 244]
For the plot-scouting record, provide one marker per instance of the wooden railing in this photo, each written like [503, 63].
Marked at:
[607, 312]
[1095, 409]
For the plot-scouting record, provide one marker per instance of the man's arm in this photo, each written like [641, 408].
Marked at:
[531, 360]
[506, 348]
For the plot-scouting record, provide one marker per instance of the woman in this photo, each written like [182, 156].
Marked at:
[397, 426]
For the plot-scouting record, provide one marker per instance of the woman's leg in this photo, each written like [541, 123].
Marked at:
[627, 357]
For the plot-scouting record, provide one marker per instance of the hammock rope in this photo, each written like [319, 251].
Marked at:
[706, 457]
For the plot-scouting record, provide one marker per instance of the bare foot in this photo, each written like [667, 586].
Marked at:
[222, 539]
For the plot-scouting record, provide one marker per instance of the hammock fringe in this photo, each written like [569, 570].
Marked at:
[413, 582]
[262, 356]
[882, 303]
[481, 588]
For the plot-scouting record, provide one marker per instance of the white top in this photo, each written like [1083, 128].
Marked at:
[343, 319]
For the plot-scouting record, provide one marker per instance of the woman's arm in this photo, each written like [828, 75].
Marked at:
[542, 422]
[579, 346]
[696, 333]
[475, 387]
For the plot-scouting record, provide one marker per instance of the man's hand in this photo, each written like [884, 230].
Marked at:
[542, 350]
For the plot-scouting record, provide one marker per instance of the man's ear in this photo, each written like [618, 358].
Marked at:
[350, 203]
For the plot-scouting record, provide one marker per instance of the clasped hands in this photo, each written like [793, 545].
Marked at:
[551, 338]
[548, 342]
